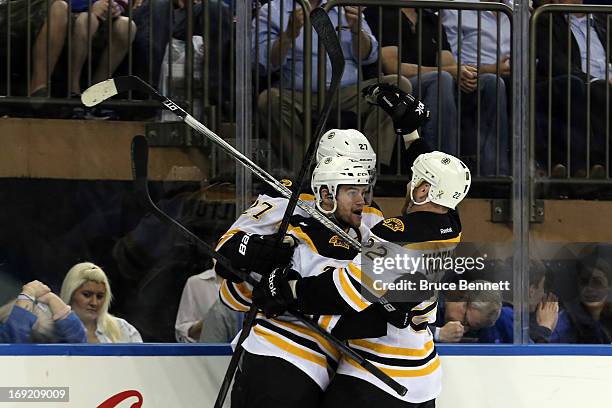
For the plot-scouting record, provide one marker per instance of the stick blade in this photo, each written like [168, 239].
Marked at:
[327, 35]
[140, 157]
[99, 92]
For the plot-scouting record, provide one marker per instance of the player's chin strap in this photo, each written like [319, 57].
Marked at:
[329, 213]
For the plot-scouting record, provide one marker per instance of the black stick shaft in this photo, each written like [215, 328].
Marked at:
[325, 29]
[327, 35]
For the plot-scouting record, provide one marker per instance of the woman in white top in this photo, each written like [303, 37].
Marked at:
[87, 290]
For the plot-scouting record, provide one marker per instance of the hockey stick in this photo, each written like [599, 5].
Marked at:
[139, 168]
[101, 91]
[327, 35]
[319, 19]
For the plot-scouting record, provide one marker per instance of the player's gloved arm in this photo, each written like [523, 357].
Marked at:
[274, 294]
[255, 253]
[397, 307]
[320, 294]
[362, 325]
[408, 113]
[372, 322]
[286, 289]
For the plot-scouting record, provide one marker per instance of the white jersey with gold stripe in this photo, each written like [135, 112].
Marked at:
[318, 251]
[264, 217]
[408, 354]
[371, 216]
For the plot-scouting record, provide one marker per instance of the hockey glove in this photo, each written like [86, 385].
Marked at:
[396, 306]
[408, 113]
[255, 253]
[274, 293]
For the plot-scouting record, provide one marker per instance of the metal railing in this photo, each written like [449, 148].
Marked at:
[563, 117]
[264, 123]
[31, 28]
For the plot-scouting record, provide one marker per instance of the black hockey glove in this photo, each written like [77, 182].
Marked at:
[255, 253]
[407, 112]
[397, 304]
[273, 294]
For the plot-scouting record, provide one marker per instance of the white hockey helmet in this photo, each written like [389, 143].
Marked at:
[347, 142]
[449, 177]
[331, 172]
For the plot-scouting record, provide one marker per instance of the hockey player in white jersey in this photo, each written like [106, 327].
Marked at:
[403, 347]
[285, 363]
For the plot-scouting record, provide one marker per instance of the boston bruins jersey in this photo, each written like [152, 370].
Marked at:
[264, 217]
[408, 354]
[318, 251]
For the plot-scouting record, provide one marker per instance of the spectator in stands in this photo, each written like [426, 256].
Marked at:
[200, 293]
[543, 307]
[221, 324]
[86, 288]
[436, 76]
[39, 316]
[587, 319]
[480, 50]
[471, 314]
[44, 22]
[274, 42]
[594, 70]
[159, 20]
[55, 27]
[92, 20]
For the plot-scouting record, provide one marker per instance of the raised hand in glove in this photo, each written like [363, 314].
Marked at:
[408, 113]
[274, 293]
[256, 253]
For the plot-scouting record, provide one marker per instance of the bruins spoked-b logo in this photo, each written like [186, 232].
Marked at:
[394, 224]
[286, 182]
[446, 161]
[337, 242]
[331, 135]
[328, 160]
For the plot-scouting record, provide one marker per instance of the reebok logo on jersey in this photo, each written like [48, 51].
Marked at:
[337, 242]
[446, 230]
[271, 283]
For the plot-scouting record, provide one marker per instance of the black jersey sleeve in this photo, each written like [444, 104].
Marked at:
[362, 325]
[320, 295]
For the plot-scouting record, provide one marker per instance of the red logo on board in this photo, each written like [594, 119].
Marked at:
[122, 396]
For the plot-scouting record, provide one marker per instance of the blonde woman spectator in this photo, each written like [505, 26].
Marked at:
[86, 288]
[39, 316]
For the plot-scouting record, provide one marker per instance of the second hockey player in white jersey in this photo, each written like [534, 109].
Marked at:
[250, 242]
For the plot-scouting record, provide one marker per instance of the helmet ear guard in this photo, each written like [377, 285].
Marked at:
[449, 179]
[332, 172]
